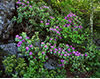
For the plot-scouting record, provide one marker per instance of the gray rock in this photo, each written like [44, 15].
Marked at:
[98, 42]
[11, 48]
[7, 8]
[51, 64]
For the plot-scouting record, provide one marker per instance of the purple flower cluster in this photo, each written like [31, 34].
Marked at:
[47, 23]
[70, 17]
[55, 30]
[61, 65]
[45, 7]
[51, 17]
[19, 43]
[30, 53]
[41, 21]
[24, 3]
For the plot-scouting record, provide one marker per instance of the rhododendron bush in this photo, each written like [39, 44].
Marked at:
[63, 33]
[46, 34]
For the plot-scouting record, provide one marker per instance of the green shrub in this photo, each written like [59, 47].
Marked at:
[14, 66]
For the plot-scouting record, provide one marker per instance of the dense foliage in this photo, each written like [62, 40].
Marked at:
[63, 33]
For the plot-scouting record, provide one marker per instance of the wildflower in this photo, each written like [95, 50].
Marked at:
[73, 48]
[64, 25]
[45, 46]
[34, 57]
[70, 20]
[27, 48]
[57, 27]
[45, 7]
[20, 37]
[63, 50]
[76, 26]
[59, 52]
[43, 52]
[78, 55]
[59, 48]
[62, 60]
[28, 2]
[70, 46]
[27, 37]
[20, 42]
[31, 45]
[67, 45]
[68, 25]
[50, 38]
[18, 45]
[54, 51]
[80, 26]
[40, 7]
[23, 4]
[47, 23]
[51, 50]
[81, 54]
[51, 17]
[74, 15]
[30, 6]
[17, 36]
[60, 29]
[66, 52]
[65, 55]
[41, 21]
[74, 52]
[60, 37]
[58, 32]
[62, 64]
[49, 43]
[51, 29]
[85, 54]
[42, 42]
[68, 15]
[72, 23]
[30, 53]
[70, 53]
[52, 46]
[54, 29]
[65, 17]
[69, 49]
[23, 40]
[18, 2]
[16, 6]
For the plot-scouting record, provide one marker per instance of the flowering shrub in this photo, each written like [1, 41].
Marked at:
[67, 54]
[35, 56]
[32, 11]
[28, 47]
[64, 38]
